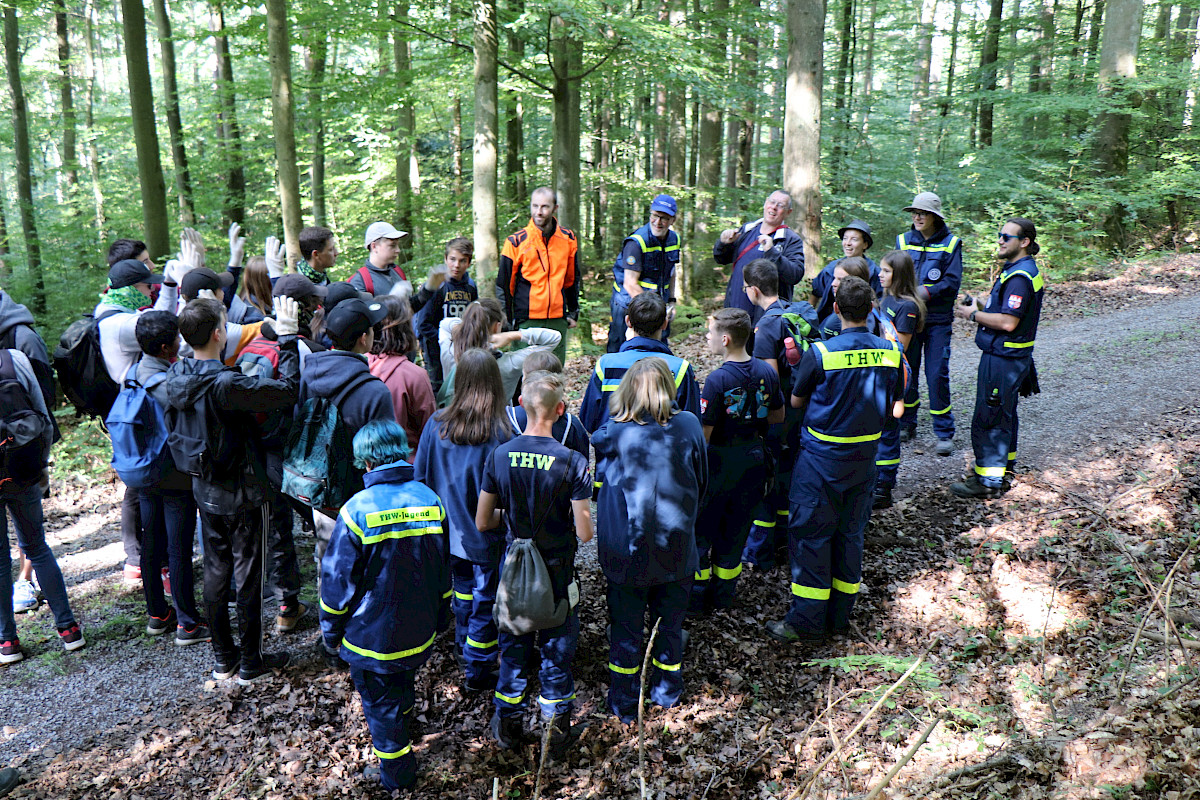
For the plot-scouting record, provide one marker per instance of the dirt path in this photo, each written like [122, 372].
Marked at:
[136, 716]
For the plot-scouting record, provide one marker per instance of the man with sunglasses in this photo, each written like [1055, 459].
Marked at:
[937, 256]
[1007, 328]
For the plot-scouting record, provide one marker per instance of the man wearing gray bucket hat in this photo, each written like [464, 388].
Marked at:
[937, 256]
[856, 241]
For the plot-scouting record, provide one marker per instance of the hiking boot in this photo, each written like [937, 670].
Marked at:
[226, 669]
[72, 637]
[971, 488]
[10, 652]
[562, 736]
[482, 683]
[507, 731]
[781, 631]
[945, 447]
[132, 576]
[193, 635]
[289, 615]
[908, 433]
[271, 663]
[883, 498]
[157, 626]
[25, 597]
[373, 775]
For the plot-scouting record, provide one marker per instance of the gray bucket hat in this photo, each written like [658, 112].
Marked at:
[927, 201]
[861, 227]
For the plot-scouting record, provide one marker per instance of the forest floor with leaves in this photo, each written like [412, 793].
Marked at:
[1048, 625]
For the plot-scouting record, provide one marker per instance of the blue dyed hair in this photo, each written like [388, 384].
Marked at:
[378, 443]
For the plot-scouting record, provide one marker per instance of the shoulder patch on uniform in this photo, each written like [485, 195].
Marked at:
[1014, 301]
[630, 260]
[934, 274]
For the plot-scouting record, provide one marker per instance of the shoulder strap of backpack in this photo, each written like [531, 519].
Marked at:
[564, 471]
[7, 368]
[368, 280]
[567, 430]
[512, 417]
[154, 380]
[108, 314]
[354, 383]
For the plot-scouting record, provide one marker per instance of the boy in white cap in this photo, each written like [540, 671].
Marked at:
[380, 275]
[937, 256]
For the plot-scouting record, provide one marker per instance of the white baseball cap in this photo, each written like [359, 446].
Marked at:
[382, 230]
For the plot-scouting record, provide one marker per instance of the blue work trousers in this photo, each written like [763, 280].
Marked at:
[518, 660]
[168, 530]
[627, 607]
[25, 508]
[994, 424]
[932, 344]
[831, 505]
[387, 701]
[737, 476]
[475, 632]
[768, 530]
[887, 458]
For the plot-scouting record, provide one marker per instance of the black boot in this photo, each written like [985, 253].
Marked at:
[507, 731]
[883, 498]
[562, 736]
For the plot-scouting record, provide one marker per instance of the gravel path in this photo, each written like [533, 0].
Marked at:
[1100, 376]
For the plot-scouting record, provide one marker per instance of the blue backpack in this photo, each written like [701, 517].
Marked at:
[138, 428]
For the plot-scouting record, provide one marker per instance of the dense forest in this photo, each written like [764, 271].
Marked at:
[442, 117]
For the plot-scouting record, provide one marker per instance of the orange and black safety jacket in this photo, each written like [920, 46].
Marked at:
[539, 276]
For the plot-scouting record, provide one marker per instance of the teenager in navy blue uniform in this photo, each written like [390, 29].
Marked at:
[646, 264]
[848, 384]
[768, 237]
[385, 591]
[450, 460]
[1007, 328]
[739, 402]
[646, 320]
[449, 300]
[937, 258]
[777, 347]
[903, 307]
[544, 490]
[856, 240]
[656, 472]
[567, 429]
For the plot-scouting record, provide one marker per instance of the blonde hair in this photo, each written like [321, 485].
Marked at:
[541, 393]
[646, 392]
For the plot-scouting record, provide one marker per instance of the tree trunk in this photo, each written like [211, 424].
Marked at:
[868, 66]
[283, 125]
[841, 79]
[183, 180]
[227, 124]
[141, 101]
[987, 70]
[70, 155]
[565, 150]
[802, 126]
[1093, 49]
[316, 57]
[90, 124]
[749, 108]
[949, 95]
[1118, 66]
[514, 134]
[924, 61]
[406, 128]
[20, 122]
[5, 270]
[484, 160]
[1012, 45]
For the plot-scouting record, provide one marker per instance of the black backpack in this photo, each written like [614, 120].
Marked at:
[200, 445]
[80, 367]
[21, 429]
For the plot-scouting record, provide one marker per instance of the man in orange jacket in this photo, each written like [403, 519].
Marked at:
[540, 277]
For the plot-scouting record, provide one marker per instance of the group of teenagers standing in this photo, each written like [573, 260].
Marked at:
[785, 444]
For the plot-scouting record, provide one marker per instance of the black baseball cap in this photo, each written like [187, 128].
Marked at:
[352, 318]
[130, 271]
[341, 290]
[297, 287]
[202, 278]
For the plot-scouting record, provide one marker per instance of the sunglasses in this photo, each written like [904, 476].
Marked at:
[1004, 237]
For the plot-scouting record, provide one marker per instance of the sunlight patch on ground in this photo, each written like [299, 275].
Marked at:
[1026, 698]
[1098, 760]
[87, 560]
[1158, 290]
[943, 600]
[1032, 607]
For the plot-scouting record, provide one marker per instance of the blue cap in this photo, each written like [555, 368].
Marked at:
[664, 203]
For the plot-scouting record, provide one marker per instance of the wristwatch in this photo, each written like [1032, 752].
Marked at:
[972, 317]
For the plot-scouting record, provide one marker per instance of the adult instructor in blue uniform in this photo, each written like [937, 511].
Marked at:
[937, 256]
[767, 237]
[1007, 328]
[646, 264]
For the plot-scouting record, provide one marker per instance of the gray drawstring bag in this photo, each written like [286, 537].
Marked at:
[525, 597]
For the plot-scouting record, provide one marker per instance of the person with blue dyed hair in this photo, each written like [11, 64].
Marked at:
[385, 592]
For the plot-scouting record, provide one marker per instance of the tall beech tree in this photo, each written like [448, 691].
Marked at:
[283, 124]
[802, 121]
[157, 233]
[20, 123]
[484, 151]
[183, 180]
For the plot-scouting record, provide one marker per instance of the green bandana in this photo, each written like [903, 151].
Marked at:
[319, 278]
[125, 297]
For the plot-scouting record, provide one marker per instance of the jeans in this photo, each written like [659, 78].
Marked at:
[169, 517]
[131, 527]
[25, 506]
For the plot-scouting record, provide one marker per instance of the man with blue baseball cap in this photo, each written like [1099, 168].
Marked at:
[646, 264]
